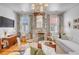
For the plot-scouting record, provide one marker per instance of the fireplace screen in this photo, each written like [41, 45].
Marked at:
[40, 36]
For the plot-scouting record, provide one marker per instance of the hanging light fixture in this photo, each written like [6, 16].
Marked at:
[39, 7]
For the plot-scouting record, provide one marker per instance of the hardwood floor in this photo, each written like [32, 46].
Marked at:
[9, 50]
[15, 48]
[59, 50]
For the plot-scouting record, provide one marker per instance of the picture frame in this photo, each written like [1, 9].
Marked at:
[75, 27]
[75, 21]
[78, 20]
[78, 26]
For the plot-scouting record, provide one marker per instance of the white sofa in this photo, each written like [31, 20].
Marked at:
[69, 46]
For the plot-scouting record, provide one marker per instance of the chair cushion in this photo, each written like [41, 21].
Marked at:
[40, 52]
[33, 50]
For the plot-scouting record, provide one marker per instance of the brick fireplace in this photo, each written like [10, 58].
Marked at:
[39, 26]
[39, 34]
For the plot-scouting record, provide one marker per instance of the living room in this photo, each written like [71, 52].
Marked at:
[39, 28]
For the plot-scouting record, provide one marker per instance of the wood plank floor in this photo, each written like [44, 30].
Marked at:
[15, 48]
[59, 50]
[9, 50]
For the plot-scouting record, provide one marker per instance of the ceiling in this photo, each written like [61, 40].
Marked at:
[55, 8]
[58, 8]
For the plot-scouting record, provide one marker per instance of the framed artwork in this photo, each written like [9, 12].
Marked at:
[78, 26]
[75, 21]
[78, 20]
[75, 26]
[69, 24]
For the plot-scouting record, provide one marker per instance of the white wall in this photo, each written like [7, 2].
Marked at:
[7, 12]
[69, 16]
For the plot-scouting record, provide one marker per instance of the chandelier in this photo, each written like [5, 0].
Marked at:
[39, 7]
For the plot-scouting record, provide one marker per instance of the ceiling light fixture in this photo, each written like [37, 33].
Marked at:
[39, 7]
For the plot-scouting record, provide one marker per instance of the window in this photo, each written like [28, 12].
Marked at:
[24, 24]
[54, 24]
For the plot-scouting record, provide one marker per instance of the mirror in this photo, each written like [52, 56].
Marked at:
[39, 21]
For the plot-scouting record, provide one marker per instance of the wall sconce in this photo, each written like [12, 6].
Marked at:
[69, 24]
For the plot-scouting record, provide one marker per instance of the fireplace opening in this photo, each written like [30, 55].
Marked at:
[40, 36]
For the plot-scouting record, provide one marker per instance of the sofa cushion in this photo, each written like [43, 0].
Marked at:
[64, 37]
[70, 44]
